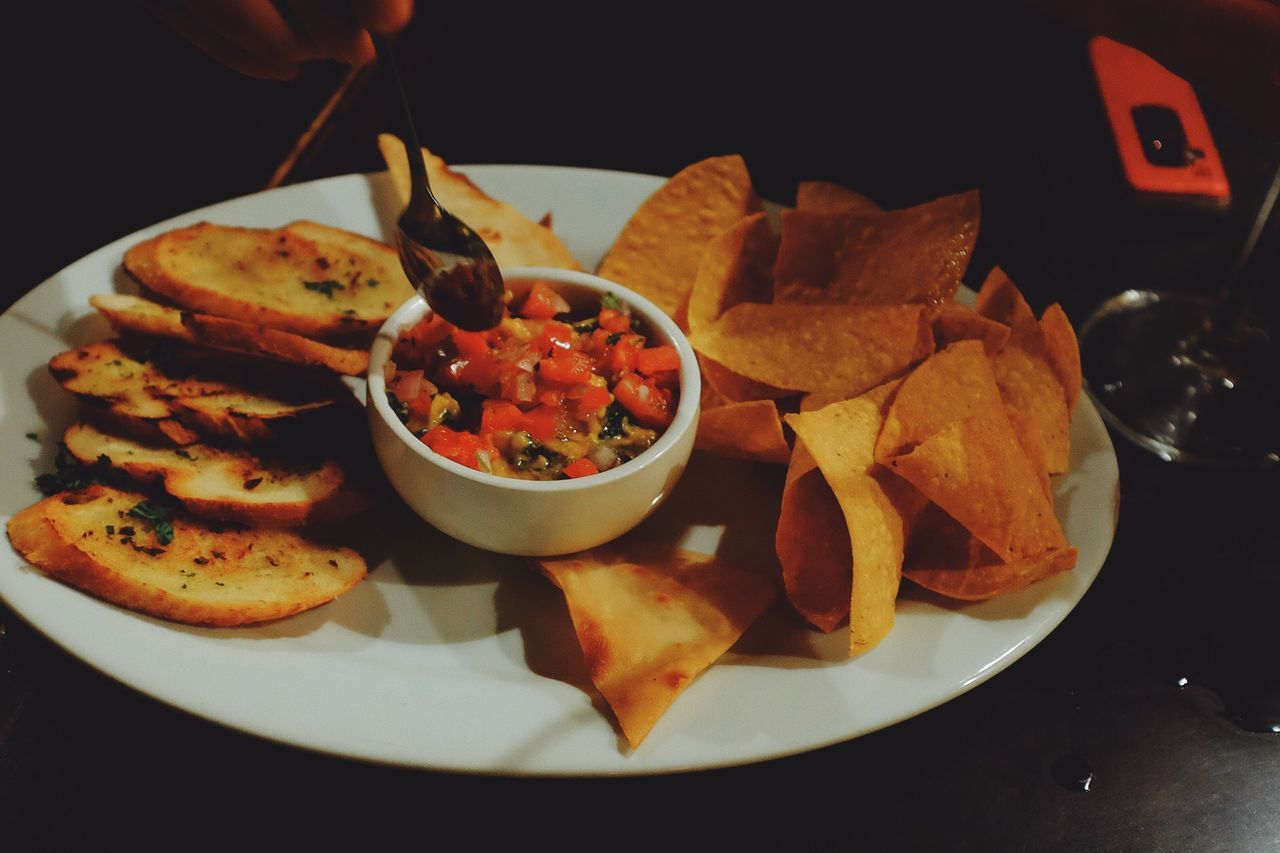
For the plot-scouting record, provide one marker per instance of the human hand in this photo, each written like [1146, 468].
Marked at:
[272, 39]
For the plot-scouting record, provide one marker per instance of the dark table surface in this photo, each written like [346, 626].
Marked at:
[1141, 723]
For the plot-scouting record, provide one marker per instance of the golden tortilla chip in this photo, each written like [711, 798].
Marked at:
[826, 197]
[859, 257]
[649, 627]
[750, 430]
[841, 438]
[659, 250]
[1000, 299]
[1034, 398]
[737, 266]
[954, 322]
[948, 434]
[734, 388]
[812, 542]
[1063, 350]
[944, 557]
[515, 239]
[845, 349]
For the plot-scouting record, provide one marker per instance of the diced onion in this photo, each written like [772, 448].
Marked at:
[407, 385]
[603, 457]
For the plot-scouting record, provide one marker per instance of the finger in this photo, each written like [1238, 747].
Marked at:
[218, 48]
[331, 26]
[383, 16]
[256, 26]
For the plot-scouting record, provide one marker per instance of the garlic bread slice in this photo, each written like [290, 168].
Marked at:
[226, 484]
[99, 540]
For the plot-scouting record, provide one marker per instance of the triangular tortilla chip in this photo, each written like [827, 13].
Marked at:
[954, 322]
[944, 557]
[659, 250]
[838, 348]
[841, 438]
[826, 197]
[515, 239]
[1034, 398]
[648, 627]
[1064, 351]
[948, 434]
[860, 257]
[737, 266]
[812, 542]
[750, 430]
[1000, 299]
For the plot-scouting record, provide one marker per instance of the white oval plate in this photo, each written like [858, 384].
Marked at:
[456, 659]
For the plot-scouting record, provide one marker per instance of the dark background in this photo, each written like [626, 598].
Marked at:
[1152, 685]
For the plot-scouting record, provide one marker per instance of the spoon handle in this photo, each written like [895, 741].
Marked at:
[420, 193]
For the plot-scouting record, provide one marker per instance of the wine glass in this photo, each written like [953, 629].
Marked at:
[1194, 379]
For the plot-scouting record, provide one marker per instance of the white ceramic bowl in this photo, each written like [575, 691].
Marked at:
[527, 517]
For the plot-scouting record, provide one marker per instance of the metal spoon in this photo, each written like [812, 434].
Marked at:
[442, 257]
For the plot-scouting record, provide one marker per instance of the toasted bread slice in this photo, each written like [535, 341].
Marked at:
[305, 278]
[226, 485]
[514, 239]
[189, 392]
[134, 314]
[202, 576]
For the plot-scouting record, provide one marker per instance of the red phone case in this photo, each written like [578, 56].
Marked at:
[1164, 142]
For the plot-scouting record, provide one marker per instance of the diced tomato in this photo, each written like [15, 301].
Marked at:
[667, 379]
[517, 384]
[613, 320]
[644, 400]
[542, 303]
[580, 468]
[414, 345]
[554, 336]
[622, 359]
[421, 405]
[480, 372]
[461, 447]
[567, 366]
[599, 345]
[550, 395]
[543, 422]
[653, 360]
[499, 416]
[589, 400]
[470, 343]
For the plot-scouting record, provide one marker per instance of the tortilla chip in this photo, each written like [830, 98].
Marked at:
[515, 239]
[859, 257]
[734, 388]
[1063, 350]
[737, 266]
[812, 542]
[647, 628]
[948, 434]
[841, 438]
[750, 430]
[845, 349]
[659, 250]
[826, 197]
[944, 557]
[1034, 398]
[1000, 299]
[954, 322]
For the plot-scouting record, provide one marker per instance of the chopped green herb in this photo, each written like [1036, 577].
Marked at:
[588, 324]
[611, 301]
[252, 483]
[400, 408]
[219, 583]
[111, 530]
[615, 421]
[127, 531]
[373, 282]
[158, 516]
[613, 339]
[327, 287]
[348, 312]
[72, 474]
[33, 436]
[185, 454]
